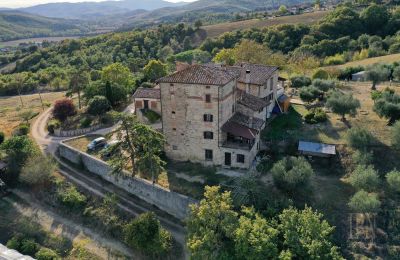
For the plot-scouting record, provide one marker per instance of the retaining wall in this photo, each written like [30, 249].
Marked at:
[171, 202]
[76, 132]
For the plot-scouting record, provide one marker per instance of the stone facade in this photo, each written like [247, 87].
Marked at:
[200, 119]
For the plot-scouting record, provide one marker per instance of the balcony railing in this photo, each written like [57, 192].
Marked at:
[233, 144]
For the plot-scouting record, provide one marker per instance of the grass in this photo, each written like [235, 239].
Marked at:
[307, 18]
[81, 144]
[151, 116]
[381, 59]
[11, 110]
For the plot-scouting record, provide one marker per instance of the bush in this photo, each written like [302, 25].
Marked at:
[320, 74]
[395, 135]
[29, 247]
[362, 158]
[47, 254]
[98, 105]
[335, 60]
[2, 137]
[146, 234]
[393, 180]
[14, 243]
[316, 115]
[23, 129]
[324, 85]
[85, 122]
[291, 172]
[64, 108]
[359, 138]
[364, 202]
[152, 116]
[34, 173]
[71, 197]
[365, 178]
[309, 94]
[300, 81]
[52, 125]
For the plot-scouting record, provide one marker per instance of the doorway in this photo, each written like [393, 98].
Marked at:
[228, 159]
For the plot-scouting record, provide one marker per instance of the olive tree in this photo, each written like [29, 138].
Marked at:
[291, 172]
[365, 178]
[364, 202]
[396, 135]
[342, 104]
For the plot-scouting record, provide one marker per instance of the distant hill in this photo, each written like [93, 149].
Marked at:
[94, 10]
[16, 25]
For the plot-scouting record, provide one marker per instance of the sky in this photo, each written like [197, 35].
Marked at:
[25, 3]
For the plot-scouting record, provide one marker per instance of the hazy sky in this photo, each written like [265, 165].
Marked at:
[24, 3]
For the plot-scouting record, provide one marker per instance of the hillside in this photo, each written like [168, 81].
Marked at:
[15, 25]
[370, 61]
[94, 10]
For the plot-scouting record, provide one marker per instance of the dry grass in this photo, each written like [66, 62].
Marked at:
[11, 109]
[308, 18]
[81, 143]
[382, 59]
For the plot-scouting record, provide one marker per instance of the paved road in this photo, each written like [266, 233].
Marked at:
[96, 185]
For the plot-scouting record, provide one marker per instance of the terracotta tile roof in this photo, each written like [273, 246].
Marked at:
[153, 93]
[252, 123]
[202, 74]
[250, 101]
[259, 74]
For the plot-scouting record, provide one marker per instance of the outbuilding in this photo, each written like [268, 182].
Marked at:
[316, 149]
[359, 76]
[147, 98]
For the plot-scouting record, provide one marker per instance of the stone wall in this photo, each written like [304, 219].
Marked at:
[171, 202]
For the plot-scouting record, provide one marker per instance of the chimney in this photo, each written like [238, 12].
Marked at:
[251, 121]
[247, 81]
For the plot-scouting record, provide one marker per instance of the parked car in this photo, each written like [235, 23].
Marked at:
[108, 149]
[97, 143]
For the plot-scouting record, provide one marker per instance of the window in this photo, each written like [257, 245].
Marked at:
[208, 98]
[174, 147]
[173, 129]
[171, 85]
[207, 87]
[208, 118]
[240, 158]
[173, 112]
[208, 135]
[209, 155]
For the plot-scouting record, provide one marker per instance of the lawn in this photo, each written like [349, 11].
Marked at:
[381, 59]
[307, 18]
[81, 144]
[11, 109]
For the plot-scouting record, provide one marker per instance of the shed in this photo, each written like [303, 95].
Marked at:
[359, 76]
[316, 149]
[147, 98]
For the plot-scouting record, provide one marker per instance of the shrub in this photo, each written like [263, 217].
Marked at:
[2, 137]
[23, 129]
[364, 202]
[309, 94]
[146, 234]
[47, 254]
[393, 180]
[316, 115]
[362, 157]
[29, 247]
[98, 105]
[71, 197]
[152, 116]
[34, 173]
[365, 178]
[359, 138]
[300, 81]
[395, 135]
[324, 85]
[52, 125]
[85, 122]
[64, 108]
[335, 60]
[291, 172]
[146, 85]
[320, 74]
[14, 243]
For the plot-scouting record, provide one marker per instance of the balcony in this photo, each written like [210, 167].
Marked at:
[238, 142]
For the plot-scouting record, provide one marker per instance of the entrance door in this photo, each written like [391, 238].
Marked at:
[146, 104]
[228, 159]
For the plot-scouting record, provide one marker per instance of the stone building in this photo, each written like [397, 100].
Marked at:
[147, 98]
[214, 114]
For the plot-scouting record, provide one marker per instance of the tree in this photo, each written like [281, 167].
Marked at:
[320, 74]
[252, 52]
[2, 137]
[309, 94]
[78, 80]
[364, 202]
[98, 105]
[300, 81]
[393, 180]
[117, 74]
[46, 254]
[282, 9]
[146, 234]
[388, 105]
[324, 85]
[64, 108]
[375, 17]
[342, 104]
[198, 24]
[154, 70]
[291, 172]
[225, 56]
[364, 178]
[254, 237]
[395, 135]
[396, 73]
[211, 226]
[306, 235]
[18, 150]
[377, 74]
[139, 148]
[34, 173]
[359, 138]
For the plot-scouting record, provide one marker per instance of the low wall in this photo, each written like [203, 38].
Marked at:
[171, 202]
[76, 132]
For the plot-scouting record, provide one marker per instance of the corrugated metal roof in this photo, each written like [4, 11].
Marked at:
[11, 254]
[317, 148]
